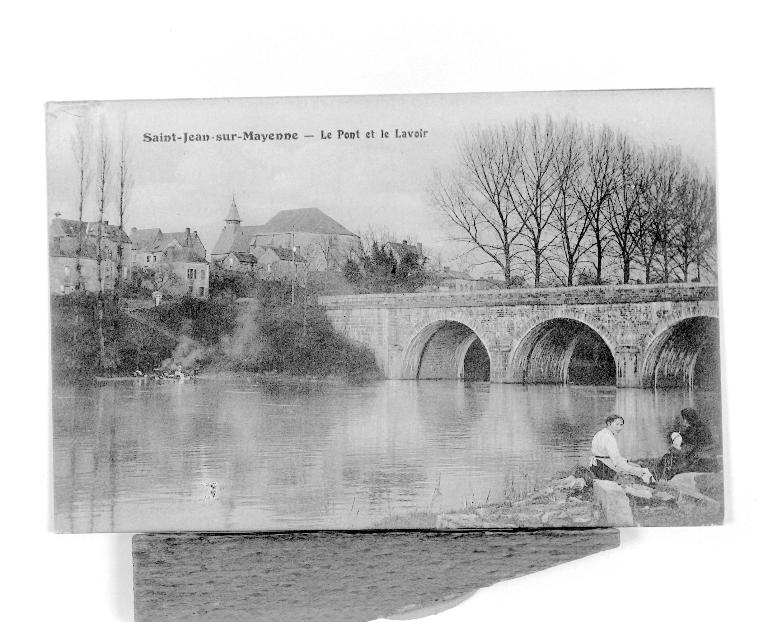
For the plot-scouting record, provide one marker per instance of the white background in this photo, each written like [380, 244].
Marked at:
[80, 50]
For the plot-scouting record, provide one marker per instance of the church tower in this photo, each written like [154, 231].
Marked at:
[233, 217]
[232, 237]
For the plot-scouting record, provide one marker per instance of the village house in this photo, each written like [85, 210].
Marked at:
[238, 261]
[401, 250]
[63, 270]
[66, 236]
[322, 242]
[177, 261]
[278, 263]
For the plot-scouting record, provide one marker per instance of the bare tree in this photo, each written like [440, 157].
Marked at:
[706, 245]
[694, 221]
[625, 202]
[476, 197]
[594, 191]
[103, 171]
[81, 150]
[660, 192]
[571, 218]
[124, 186]
[534, 189]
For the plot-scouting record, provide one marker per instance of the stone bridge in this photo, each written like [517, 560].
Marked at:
[633, 335]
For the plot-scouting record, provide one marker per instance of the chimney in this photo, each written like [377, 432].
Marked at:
[186, 236]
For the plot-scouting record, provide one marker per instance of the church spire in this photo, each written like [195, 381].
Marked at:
[233, 217]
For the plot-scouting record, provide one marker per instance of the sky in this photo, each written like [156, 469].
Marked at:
[363, 183]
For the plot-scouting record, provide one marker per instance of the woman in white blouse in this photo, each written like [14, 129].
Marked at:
[607, 461]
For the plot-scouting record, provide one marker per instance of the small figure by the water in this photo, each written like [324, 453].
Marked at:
[607, 461]
[691, 450]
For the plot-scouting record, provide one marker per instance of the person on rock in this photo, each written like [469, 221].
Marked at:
[607, 461]
[691, 450]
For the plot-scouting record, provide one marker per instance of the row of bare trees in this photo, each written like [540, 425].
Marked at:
[558, 202]
[103, 174]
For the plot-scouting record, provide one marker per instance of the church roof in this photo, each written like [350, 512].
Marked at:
[235, 239]
[305, 220]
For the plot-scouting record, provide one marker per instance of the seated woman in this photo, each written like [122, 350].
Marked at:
[607, 461]
[692, 448]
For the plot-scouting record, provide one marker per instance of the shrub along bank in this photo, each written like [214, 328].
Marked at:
[267, 335]
[75, 340]
[291, 339]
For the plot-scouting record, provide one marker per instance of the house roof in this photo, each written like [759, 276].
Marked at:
[69, 227]
[285, 254]
[244, 257]
[402, 249]
[305, 220]
[145, 239]
[65, 227]
[154, 240]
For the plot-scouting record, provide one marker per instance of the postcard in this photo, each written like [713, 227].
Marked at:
[438, 312]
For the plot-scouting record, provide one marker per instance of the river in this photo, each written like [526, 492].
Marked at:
[237, 454]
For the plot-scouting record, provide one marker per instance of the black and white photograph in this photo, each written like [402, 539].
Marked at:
[461, 311]
[334, 311]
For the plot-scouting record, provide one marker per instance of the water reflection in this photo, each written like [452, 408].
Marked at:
[235, 455]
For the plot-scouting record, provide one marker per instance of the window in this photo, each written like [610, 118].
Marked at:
[154, 258]
[190, 290]
[202, 274]
[148, 259]
[190, 274]
[195, 272]
[202, 292]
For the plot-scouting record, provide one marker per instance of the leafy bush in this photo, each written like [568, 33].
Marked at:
[75, 340]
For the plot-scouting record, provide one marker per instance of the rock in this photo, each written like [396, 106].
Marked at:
[685, 483]
[663, 498]
[709, 484]
[571, 483]
[613, 502]
[637, 491]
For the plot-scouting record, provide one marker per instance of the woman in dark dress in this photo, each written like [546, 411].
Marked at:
[692, 448]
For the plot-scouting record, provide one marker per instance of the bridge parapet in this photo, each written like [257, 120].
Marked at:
[580, 295]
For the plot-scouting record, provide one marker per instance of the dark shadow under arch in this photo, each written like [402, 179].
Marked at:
[563, 351]
[447, 349]
[686, 354]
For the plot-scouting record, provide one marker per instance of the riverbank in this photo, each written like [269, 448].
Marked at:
[689, 499]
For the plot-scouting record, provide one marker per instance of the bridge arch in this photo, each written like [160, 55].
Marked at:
[683, 352]
[561, 349]
[449, 347]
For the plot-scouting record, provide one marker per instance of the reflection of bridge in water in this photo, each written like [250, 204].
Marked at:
[633, 336]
